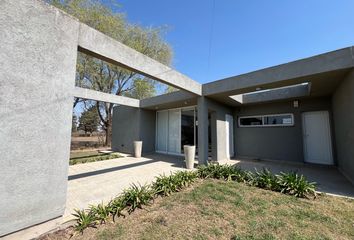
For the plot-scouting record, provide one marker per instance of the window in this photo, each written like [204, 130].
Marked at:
[267, 120]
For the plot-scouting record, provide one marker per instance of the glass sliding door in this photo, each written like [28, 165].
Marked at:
[187, 127]
[161, 131]
[175, 128]
[174, 131]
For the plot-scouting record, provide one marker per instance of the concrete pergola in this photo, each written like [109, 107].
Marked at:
[39, 46]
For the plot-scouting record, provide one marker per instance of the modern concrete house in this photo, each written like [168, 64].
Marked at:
[302, 111]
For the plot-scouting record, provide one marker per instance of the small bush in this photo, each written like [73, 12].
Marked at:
[265, 179]
[225, 172]
[137, 196]
[101, 212]
[84, 219]
[116, 206]
[297, 185]
[165, 185]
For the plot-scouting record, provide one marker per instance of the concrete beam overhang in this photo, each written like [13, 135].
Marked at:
[282, 75]
[97, 44]
[105, 97]
[294, 91]
[169, 100]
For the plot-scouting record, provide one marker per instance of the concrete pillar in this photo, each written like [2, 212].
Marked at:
[202, 130]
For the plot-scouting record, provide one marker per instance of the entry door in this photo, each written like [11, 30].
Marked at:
[317, 137]
[229, 133]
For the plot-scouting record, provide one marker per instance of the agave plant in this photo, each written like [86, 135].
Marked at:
[297, 185]
[84, 219]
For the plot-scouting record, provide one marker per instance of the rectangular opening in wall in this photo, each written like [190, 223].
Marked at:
[271, 120]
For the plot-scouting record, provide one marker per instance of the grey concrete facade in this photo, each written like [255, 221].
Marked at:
[343, 113]
[132, 124]
[38, 48]
[275, 143]
[37, 78]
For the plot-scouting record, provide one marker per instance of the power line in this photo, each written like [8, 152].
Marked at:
[211, 33]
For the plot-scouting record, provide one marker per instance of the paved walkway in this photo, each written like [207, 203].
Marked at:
[92, 183]
[328, 178]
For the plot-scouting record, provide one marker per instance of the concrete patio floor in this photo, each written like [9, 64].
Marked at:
[92, 183]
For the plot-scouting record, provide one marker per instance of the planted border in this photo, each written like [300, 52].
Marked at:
[137, 196]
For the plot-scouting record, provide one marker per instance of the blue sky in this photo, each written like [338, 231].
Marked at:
[238, 36]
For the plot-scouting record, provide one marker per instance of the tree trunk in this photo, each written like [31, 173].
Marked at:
[109, 130]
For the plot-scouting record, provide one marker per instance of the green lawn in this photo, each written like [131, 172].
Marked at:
[213, 209]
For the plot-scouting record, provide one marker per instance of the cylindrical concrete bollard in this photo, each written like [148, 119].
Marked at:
[189, 153]
[138, 146]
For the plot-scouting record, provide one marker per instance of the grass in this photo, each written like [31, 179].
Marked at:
[90, 156]
[216, 209]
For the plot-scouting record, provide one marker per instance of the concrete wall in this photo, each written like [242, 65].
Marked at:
[275, 143]
[343, 114]
[218, 129]
[132, 124]
[38, 49]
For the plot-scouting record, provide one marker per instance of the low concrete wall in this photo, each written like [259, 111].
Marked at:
[38, 49]
[343, 113]
[275, 143]
[132, 124]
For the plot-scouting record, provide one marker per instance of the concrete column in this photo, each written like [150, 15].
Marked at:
[202, 130]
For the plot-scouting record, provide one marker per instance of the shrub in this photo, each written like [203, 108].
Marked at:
[101, 212]
[137, 196]
[226, 172]
[116, 206]
[265, 179]
[84, 219]
[297, 185]
[165, 185]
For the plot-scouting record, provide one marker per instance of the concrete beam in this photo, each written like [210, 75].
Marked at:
[105, 97]
[166, 99]
[274, 94]
[279, 76]
[99, 45]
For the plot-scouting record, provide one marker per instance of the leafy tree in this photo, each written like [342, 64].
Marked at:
[105, 77]
[89, 120]
[141, 89]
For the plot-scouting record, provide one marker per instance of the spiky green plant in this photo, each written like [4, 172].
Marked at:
[265, 179]
[84, 219]
[116, 206]
[101, 212]
[297, 185]
[136, 196]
